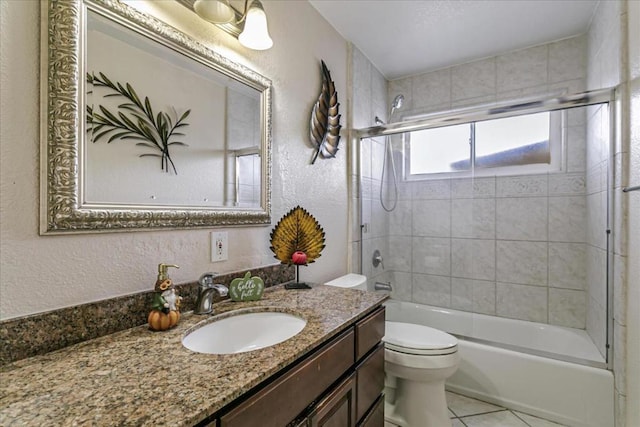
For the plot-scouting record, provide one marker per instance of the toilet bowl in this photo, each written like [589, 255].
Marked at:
[418, 361]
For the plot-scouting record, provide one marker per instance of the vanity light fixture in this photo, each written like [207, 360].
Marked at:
[249, 27]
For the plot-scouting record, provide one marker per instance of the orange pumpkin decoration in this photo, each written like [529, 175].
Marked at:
[159, 321]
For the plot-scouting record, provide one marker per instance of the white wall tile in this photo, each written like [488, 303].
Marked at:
[620, 289]
[522, 218]
[474, 79]
[432, 189]
[400, 219]
[467, 188]
[567, 265]
[596, 225]
[522, 186]
[401, 286]
[431, 218]
[432, 290]
[431, 255]
[523, 68]
[596, 324]
[379, 226]
[473, 259]
[619, 359]
[576, 146]
[432, 89]
[567, 221]
[484, 297]
[526, 93]
[567, 184]
[567, 308]
[399, 256]
[473, 218]
[462, 294]
[568, 59]
[521, 302]
[521, 262]
[597, 274]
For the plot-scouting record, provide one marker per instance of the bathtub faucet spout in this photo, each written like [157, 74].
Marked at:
[379, 286]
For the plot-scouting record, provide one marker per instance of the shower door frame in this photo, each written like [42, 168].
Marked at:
[609, 96]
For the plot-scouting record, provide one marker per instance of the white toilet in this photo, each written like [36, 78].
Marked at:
[418, 361]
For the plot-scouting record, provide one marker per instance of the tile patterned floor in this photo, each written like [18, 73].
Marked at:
[468, 412]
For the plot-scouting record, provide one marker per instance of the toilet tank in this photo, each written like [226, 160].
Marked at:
[351, 280]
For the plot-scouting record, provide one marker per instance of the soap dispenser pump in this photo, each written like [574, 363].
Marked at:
[165, 307]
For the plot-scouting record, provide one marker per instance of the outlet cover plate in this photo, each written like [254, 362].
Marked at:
[219, 246]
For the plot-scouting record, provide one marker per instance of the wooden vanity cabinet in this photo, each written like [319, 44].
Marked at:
[338, 385]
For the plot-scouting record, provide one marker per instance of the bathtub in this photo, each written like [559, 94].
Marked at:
[544, 370]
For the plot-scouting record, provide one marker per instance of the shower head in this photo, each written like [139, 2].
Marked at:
[397, 104]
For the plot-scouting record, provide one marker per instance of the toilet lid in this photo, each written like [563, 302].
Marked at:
[418, 339]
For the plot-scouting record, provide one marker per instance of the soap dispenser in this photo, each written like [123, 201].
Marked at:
[165, 307]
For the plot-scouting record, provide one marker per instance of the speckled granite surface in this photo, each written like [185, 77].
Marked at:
[45, 332]
[139, 377]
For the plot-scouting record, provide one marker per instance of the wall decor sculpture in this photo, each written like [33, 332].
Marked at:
[325, 120]
[297, 239]
[135, 120]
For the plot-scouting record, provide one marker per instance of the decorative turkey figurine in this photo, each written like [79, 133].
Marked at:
[165, 306]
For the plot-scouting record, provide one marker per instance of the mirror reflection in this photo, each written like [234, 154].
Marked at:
[160, 129]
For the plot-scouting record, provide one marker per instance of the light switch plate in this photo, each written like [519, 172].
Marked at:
[219, 246]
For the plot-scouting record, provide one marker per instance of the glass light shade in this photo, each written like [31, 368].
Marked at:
[256, 34]
[214, 11]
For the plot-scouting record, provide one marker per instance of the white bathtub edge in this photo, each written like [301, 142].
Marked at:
[521, 382]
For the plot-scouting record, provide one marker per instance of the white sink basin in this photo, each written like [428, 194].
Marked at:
[243, 332]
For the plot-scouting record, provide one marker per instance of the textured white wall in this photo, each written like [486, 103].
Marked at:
[43, 273]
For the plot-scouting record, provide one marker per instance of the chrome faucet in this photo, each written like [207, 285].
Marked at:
[206, 290]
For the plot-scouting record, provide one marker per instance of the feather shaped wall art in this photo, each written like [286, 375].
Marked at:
[325, 120]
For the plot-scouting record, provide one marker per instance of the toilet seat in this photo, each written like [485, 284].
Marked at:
[421, 340]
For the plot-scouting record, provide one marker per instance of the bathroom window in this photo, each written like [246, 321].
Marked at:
[528, 143]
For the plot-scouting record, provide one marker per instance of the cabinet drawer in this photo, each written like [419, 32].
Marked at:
[369, 332]
[284, 399]
[375, 417]
[370, 380]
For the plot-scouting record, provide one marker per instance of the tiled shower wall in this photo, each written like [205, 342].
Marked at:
[369, 99]
[606, 67]
[512, 246]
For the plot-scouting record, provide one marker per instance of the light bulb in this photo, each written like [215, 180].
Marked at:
[256, 33]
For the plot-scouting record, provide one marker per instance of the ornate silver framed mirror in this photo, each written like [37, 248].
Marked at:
[143, 127]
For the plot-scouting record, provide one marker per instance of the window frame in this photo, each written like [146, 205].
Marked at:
[557, 149]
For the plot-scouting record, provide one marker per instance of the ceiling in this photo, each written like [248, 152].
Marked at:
[407, 37]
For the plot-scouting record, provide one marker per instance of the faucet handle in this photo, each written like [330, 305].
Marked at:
[206, 280]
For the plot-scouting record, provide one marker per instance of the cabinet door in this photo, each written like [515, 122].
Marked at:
[369, 332]
[375, 417]
[370, 380]
[338, 409]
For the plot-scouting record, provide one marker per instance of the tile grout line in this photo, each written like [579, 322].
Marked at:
[516, 415]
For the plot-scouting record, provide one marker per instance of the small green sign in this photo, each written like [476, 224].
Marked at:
[247, 288]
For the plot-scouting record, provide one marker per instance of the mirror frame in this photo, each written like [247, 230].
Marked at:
[62, 128]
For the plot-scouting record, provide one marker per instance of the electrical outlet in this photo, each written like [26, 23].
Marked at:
[219, 246]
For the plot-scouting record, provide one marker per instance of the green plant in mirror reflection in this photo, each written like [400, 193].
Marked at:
[135, 120]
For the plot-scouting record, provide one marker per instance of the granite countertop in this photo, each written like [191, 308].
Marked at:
[140, 377]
